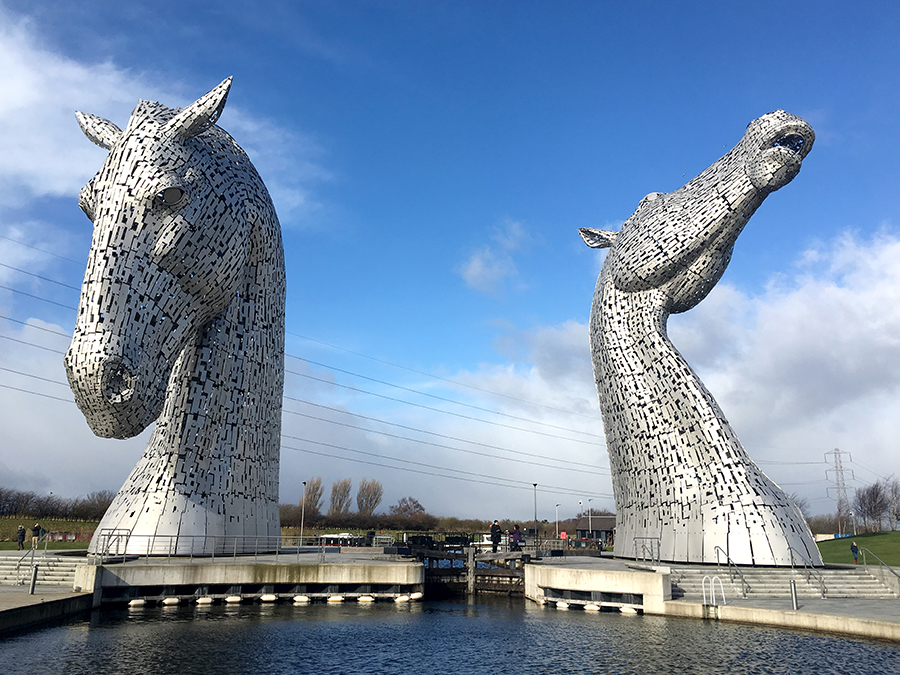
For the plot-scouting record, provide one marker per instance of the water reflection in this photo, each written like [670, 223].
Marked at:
[435, 638]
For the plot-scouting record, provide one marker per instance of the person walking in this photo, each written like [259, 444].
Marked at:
[20, 537]
[854, 549]
[496, 534]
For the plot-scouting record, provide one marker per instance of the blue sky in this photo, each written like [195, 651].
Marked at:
[431, 163]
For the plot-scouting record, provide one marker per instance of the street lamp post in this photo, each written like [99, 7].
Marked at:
[590, 525]
[302, 512]
[535, 519]
[557, 521]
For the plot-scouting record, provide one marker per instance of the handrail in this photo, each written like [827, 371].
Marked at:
[880, 561]
[654, 554]
[31, 552]
[112, 545]
[809, 571]
[730, 564]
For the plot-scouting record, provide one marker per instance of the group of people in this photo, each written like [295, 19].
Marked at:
[36, 533]
[515, 537]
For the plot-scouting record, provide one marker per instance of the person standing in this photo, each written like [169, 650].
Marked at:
[516, 538]
[496, 534]
[854, 549]
[35, 535]
[20, 537]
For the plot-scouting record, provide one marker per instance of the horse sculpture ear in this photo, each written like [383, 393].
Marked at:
[102, 132]
[597, 238]
[200, 115]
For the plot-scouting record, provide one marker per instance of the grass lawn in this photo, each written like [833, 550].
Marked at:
[886, 545]
[51, 546]
[8, 527]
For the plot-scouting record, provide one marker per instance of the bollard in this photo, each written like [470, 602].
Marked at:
[794, 595]
[34, 572]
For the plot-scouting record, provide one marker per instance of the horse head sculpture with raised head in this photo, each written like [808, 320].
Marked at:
[685, 489]
[181, 321]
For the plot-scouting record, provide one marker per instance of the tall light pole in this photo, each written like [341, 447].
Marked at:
[535, 519]
[302, 512]
[580, 512]
[590, 525]
[557, 521]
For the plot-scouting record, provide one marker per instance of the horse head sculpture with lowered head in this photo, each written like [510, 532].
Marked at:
[181, 321]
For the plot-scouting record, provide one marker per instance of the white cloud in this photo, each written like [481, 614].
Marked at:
[45, 154]
[490, 267]
[811, 364]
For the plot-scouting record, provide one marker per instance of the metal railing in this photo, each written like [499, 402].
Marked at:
[21, 565]
[120, 544]
[808, 571]
[647, 549]
[882, 566]
[732, 568]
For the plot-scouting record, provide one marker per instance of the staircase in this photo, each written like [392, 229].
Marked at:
[52, 570]
[776, 583]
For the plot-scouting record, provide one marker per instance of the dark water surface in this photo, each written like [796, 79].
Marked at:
[431, 638]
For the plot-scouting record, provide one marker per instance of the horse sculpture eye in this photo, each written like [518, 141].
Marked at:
[171, 196]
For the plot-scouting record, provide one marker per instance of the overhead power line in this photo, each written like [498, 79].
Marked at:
[494, 480]
[35, 248]
[430, 395]
[456, 383]
[592, 469]
[427, 394]
[443, 412]
[526, 486]
[423, 431]
[367, 430]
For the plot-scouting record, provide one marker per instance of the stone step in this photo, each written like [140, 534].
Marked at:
[52, 571]
[849, 583]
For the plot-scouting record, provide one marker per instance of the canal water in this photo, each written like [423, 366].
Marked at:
[429, 638]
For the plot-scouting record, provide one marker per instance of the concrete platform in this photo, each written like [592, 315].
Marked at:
[305, 572]
[19, 610]
[647, 588]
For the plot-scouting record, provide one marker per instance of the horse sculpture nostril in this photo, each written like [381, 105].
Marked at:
[117, 381]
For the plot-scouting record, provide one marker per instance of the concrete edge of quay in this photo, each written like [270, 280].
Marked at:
[650, 591]
[780, 618]
[32, 611]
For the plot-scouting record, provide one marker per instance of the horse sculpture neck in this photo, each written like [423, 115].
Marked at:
[685, 489]
[181, 321]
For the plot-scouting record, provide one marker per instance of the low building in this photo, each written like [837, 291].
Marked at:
[596, 528]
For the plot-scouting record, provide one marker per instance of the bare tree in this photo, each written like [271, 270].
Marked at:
[800, 502]
[340, 497]
[893, 490]
[313, 499]
[368, 497]
[93, 506]
[407, 507]
[871, 503]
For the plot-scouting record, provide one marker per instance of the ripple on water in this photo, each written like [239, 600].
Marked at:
[433, 638]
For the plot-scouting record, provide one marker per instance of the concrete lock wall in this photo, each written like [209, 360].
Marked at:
[95, 578]
[653, 585]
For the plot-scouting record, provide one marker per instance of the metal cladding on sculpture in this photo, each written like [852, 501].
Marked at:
[181, 321]
[685, 489]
